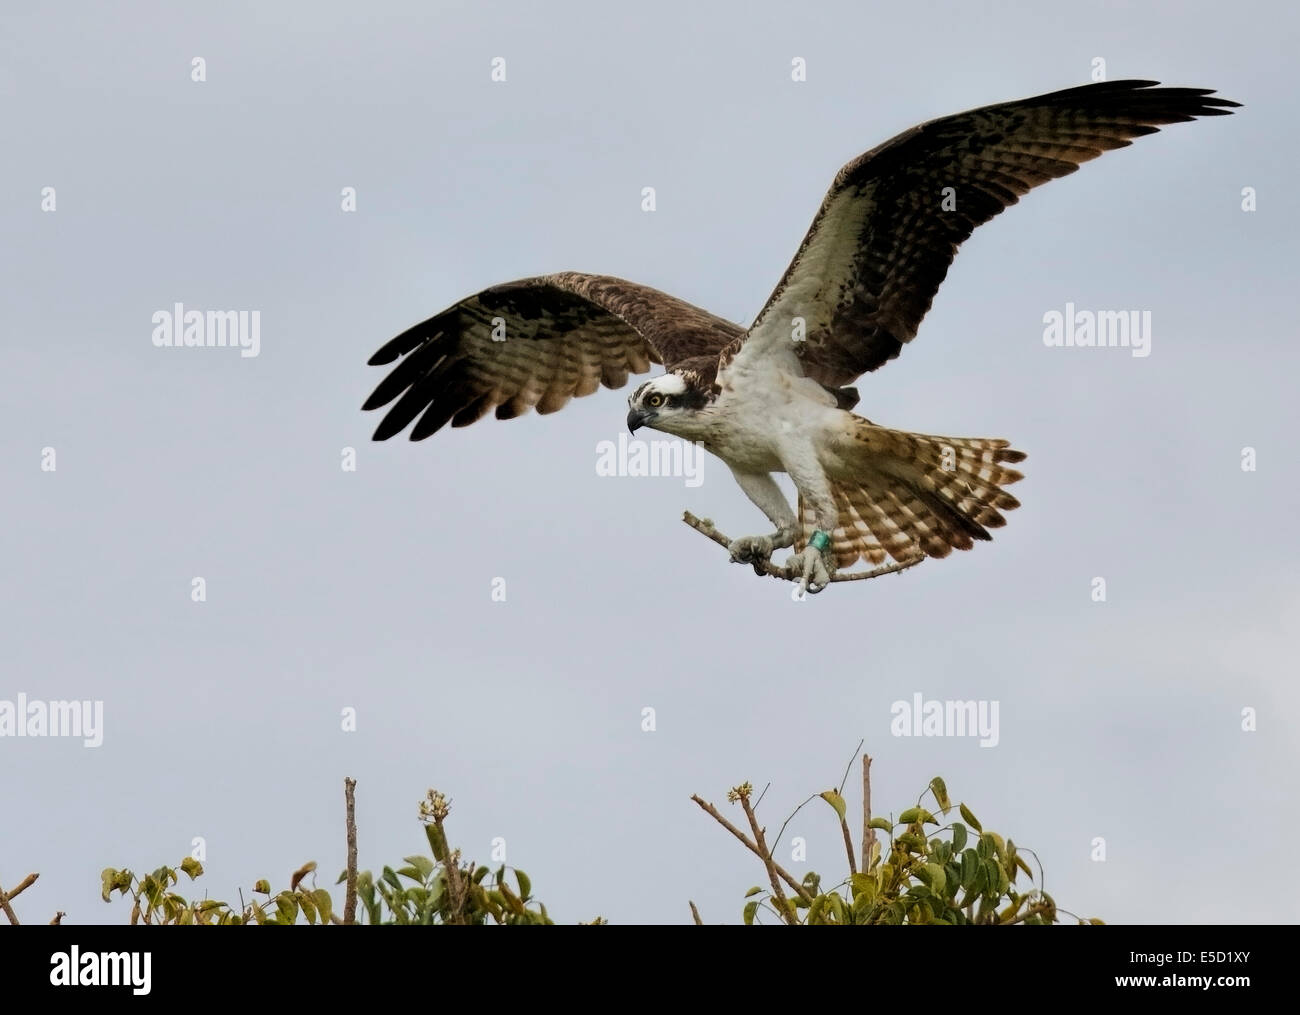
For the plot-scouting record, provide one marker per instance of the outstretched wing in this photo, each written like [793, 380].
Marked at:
[535, 342]
[882, 242]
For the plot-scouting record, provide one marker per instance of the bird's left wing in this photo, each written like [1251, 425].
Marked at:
[887, 231]
[536, 342]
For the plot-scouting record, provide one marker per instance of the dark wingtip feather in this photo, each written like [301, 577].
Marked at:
[385, 429]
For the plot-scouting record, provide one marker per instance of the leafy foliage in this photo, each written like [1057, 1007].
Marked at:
[443, 891]
[440, 890]
[954, 873]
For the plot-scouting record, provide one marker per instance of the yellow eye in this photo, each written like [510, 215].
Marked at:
[654, 401]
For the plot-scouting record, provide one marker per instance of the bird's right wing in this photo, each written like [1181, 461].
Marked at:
[536, 342]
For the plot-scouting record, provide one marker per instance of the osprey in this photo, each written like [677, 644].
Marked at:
[772, 397]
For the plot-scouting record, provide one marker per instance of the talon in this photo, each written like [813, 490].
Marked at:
[811, 568]
[757, 550]
[751, 550]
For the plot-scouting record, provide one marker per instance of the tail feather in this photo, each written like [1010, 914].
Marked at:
[905, 495]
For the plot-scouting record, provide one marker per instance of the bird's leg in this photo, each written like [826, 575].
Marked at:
[813, 565]
[761, 488]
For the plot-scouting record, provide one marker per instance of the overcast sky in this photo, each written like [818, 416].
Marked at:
[372, 589]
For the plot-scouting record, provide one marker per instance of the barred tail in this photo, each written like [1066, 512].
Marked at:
[906, 495]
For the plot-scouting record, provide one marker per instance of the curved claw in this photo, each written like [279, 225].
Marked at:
[809, 565]
[751, 550]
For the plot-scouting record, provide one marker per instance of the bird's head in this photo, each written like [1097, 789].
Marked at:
[672, 403]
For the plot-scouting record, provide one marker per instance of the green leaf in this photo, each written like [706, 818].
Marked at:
[833, 798]
[422, 864]
[941, 794]
[864, 887]
[958, 837]
[512, 900]
[969, 818]
[308, 905]
[390, 876]
[750, 909]
[993, 875]
[884, 824]
[263, 886]
[753, 891]
[910, 815]
[191, 867]
[324, 904]
[937, 879]
[288, 907]
[525, 886]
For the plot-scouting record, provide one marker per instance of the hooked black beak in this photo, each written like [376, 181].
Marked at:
[637, 418]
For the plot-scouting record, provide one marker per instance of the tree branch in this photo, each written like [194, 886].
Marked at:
[23, 885]
[785, 910]
[695, 913]
[868, 833]
[350, 896]
[848, 846]
[6, 908]
[712, 811]
[705, 527]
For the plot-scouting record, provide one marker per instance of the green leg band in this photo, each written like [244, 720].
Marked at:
[820, 541]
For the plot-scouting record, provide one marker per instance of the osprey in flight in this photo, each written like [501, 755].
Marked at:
[773, 397]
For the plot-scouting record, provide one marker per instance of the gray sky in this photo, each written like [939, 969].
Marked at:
[371, 589]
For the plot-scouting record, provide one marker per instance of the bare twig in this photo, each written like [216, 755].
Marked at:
[695, 914]
[58, 918]
[783, 904]
[6, 908]
[849, 767]
[712, 811]
[848, 846]
[844, 825]
[868, 833]
[350, 895]
[706, 527]
[781, 834]
[23, 885]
